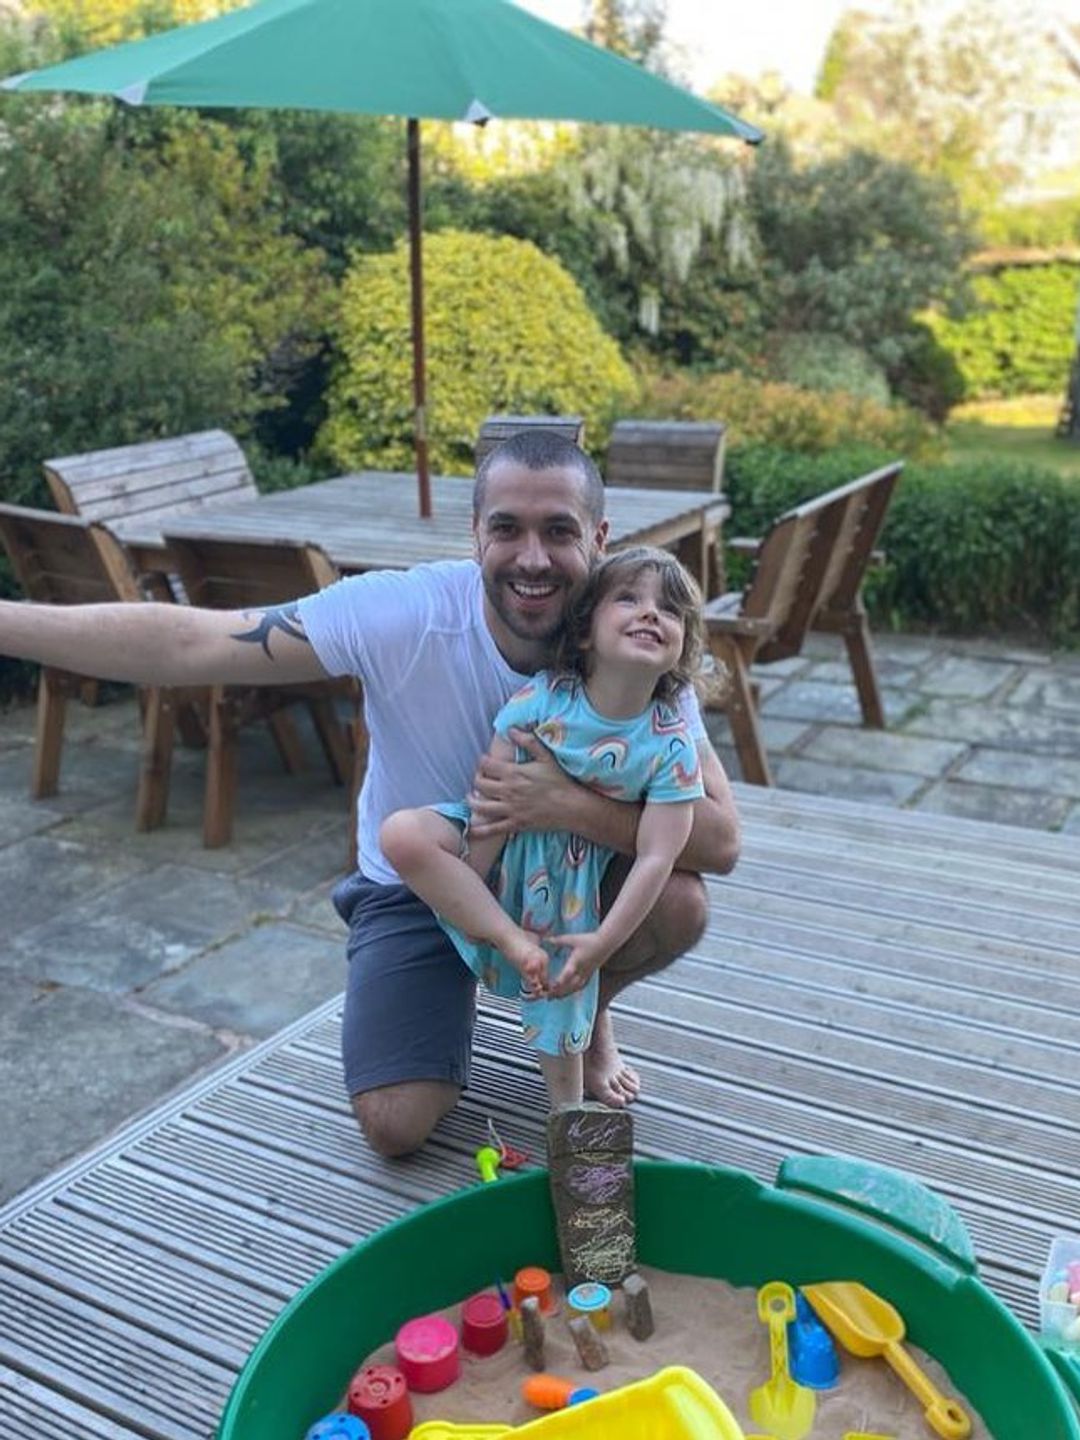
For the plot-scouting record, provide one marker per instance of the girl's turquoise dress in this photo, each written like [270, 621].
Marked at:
[549, 881]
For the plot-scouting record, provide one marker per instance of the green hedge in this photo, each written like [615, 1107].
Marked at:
[970, 548]
[1020, 340]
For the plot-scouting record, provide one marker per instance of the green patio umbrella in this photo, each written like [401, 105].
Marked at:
[439, 59]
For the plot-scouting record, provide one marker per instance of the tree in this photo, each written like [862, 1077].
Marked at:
[90, 24]
[855, 246]
[145, 287]
[953, 89]
[632, 28]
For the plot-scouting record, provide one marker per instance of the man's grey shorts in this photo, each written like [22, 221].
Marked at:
[410, 1000]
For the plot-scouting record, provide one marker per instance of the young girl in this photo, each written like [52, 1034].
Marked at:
[609, 713]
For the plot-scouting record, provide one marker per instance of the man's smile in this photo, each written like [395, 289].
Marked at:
[533, 589]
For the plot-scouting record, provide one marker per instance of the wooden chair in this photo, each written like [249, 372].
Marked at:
[808, 574]
[63, 560]
[254, 575]
[497, 428]
[675, 455]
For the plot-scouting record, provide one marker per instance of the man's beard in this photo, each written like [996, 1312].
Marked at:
[522, 627]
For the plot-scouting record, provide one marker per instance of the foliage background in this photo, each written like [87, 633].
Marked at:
[165, 271]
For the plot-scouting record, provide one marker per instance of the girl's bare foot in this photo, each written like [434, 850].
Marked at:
[524, 951]
[607, 1076]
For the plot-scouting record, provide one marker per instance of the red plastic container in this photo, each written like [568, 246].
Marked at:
[428, 1354]
[485, 1327]
[378, 1395]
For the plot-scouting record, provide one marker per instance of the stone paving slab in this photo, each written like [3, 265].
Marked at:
[256, 983]
[851, 782]
[145, 927]
[75, 1064]
[1035, 809]
[1021, 771]
[812, 699]
[1004, 727]
[893, 672]
[43, 874]
[968, 677]
[884, 750]
[1053, 692]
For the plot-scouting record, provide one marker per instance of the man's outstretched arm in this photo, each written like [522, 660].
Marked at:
[156, 644]
[538, 795]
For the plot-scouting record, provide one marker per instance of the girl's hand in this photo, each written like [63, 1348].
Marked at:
[507, 797]
[586, 956]
[529, 957]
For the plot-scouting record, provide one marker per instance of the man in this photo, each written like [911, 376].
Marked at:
[438, 649]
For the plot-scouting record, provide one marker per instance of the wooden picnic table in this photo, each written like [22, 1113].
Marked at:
[369, 521]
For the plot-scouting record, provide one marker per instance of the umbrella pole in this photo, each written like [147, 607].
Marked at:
[416, 277]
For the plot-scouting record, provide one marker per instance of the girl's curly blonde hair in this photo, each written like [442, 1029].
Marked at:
[678, 589]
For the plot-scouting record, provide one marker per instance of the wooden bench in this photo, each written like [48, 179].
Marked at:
[155, 479]
[675, 455]
[253, 575]
[808, 574]
[497, 428]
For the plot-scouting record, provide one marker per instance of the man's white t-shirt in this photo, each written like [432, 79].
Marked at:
[433, 682]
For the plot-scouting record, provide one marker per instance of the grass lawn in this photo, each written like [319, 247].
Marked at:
[1018, 429]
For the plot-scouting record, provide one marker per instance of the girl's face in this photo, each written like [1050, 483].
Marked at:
[634, 625]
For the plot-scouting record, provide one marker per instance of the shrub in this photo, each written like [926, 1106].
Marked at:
[786, 416]
[819, 361]
[507, 330]
[144, 289]
[930, 378]
[1020, 340]
[853, 244]
[983, 548]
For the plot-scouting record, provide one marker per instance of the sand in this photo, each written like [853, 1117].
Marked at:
[708, 1325]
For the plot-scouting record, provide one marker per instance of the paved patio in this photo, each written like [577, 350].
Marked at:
[134, 962]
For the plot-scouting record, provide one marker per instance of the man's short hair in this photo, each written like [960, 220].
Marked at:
[540, 449]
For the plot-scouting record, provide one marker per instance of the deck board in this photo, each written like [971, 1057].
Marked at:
[898, 987]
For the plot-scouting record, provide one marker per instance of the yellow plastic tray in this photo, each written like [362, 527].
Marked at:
[674, 1404]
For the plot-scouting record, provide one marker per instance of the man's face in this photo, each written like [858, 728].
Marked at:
[535, 544]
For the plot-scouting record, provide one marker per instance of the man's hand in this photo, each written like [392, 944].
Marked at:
[586, 956]
[508, 797]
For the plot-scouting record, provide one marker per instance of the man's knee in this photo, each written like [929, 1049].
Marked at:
[680, 915]
[397, 1119]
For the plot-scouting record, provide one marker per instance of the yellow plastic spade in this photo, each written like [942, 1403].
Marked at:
[867, 1325]
[780, 1406]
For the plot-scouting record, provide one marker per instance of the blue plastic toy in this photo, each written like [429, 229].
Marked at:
[811, 1352]
[583, 1392]
[339, 1427]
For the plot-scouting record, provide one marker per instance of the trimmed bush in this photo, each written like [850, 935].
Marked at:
[977, 548]
[787, 416]
[507, 330]
[1020, 340]
[819, 361]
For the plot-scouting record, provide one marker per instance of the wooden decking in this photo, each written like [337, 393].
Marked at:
[895, 986]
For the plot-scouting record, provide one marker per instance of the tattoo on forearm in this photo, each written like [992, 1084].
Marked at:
[285, 618]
